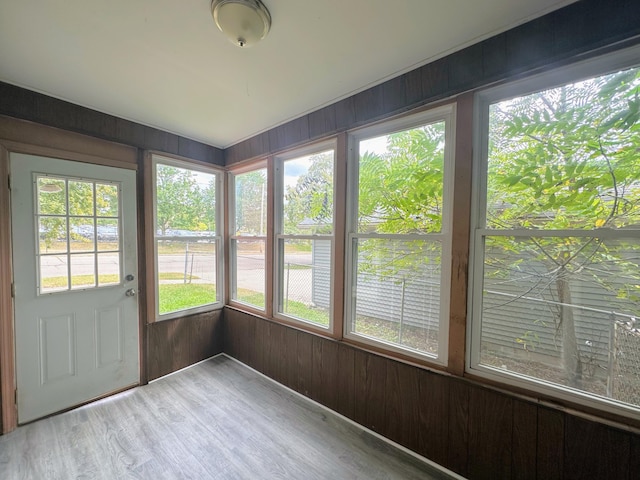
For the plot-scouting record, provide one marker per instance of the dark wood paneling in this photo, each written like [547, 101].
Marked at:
[529, 45]
[524, 440]
[369, 104]
[21, 103]
[370, 390]
[262, 346]
[304, 349]
[413, 87]
[394, 95]
[634, 458]
[473, 430]
[291, 358]
[178, 343]
[550, 444]
[345, 113]
[322, 122]
[345, 381]
[490, 431]
[592, 450]
[458, 431]
[325, 372]
[465, 68]
[277, 350]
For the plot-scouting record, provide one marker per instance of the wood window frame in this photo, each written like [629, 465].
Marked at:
[150, 158]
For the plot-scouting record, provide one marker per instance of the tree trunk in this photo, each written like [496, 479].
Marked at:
[570, 353]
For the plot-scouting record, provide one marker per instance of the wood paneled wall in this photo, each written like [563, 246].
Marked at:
[27, 105]
[178, 343]
[471, 429]
[574, 31]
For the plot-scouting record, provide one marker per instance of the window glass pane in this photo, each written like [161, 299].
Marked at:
[397, 292]
[107, 202]
[567, 157]
[249, 272]
[82, 234]
[186, 274]
[54, 275]
[308, 194]
[108, 234]
[185, 202]
[83, 271]
[564, 310]
[108, 268]
[80, 198]
[52, 196]
[400, 181]
[251, 203]
[53, 234]
[306, 280]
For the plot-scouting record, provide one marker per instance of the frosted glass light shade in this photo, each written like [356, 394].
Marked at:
[244, 22]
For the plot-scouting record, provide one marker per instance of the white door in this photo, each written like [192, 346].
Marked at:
[75, 278]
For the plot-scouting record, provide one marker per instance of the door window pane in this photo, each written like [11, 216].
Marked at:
[80, 198]
[83, 271]
[72, 229]
[52, 196]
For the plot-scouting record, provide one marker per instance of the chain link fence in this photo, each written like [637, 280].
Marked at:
[625, 375]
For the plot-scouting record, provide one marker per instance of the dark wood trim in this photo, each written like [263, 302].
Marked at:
[31, 138]
[142, 270]
[461, 215]
[339, 234]
[269, 264]
[149, 238]
[9, 417]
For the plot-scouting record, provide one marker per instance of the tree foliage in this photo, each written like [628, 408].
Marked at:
[181, 202]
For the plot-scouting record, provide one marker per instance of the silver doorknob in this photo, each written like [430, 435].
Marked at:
[130, 293]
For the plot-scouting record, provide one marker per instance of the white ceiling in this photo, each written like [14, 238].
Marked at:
[163, 63]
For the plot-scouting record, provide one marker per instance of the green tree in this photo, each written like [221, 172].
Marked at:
[251, 203]
[566, 159]
[311, 198]
[179, 200]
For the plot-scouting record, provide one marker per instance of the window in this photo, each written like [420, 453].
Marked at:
[187, 237]
[399, 241]
[556, 293]
[305, 236]
[78, 222]
[249, 237]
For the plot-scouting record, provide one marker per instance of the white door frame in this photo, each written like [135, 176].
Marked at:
[18, 136]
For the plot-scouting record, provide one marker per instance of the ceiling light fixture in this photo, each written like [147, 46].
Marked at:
[244, 22]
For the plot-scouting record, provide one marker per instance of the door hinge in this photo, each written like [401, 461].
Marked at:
[9, 181]
[15, 396]
[13, 290]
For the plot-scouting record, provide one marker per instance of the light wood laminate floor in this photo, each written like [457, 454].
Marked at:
[215, 420]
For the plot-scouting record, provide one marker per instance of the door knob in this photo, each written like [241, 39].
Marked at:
[130, 293]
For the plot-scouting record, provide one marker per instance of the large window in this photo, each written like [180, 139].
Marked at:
[399, 241]
[304, 236]
[556, 272]
[248, 239]
[187, 237]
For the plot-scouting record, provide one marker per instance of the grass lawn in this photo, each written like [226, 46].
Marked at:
[295, 309]
[180, 296]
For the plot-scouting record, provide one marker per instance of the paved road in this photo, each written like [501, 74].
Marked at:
[297, 282]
